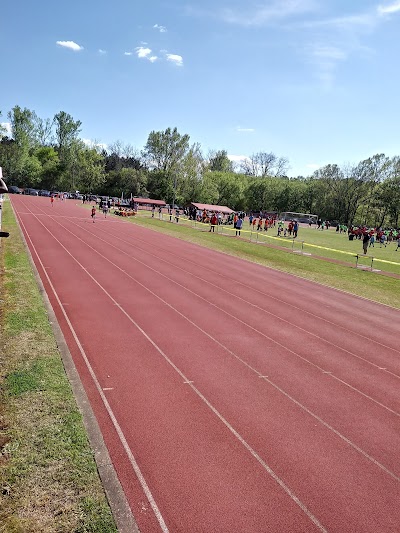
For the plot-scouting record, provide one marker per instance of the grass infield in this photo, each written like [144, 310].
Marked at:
[48, 477]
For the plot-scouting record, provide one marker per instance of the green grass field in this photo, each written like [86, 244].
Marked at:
[327, 243]
[48, 477]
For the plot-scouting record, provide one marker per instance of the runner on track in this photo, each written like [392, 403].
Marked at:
[93, 213]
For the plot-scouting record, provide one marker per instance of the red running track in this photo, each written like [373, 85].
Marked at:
[231, 397]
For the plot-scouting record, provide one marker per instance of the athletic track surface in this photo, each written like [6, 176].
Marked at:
[231, 397]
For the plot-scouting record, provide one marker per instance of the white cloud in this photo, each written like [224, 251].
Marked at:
[71, 45]
[128, 53]
[267, 13]
[176, 59]
[359, 21]
[142, 52]
[152, 59]
[102, 52]
[238, 158]
[6, 127]
[161, 29]
[94, 144]
[394, 7]
[245, 130]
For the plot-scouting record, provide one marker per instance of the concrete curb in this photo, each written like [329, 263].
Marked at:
[120, 509]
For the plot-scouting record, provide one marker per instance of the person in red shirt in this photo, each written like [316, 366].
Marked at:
[213, 222]
[93, 213]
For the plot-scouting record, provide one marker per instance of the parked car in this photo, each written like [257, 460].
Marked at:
[31, 192]
[44, 193]
[13, 189]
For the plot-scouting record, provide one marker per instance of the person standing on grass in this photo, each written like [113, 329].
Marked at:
[239, 224]
[177, 215]
[160, 212]
[250, 219]
[213, 222]
[105, 209]
[153, 210]
[295, 229]
[372, 240]
[93, 213]
[366, 239]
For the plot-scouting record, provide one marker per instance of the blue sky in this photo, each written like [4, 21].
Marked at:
[316, 81]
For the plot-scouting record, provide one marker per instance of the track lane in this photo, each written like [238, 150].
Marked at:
[303, 314]
[322, 352]
[96, 267]
[269, 502]
[362, 424]
[270, 284]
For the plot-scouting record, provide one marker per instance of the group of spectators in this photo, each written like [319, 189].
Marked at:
[370, 236]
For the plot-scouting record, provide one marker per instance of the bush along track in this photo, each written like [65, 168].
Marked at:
[48, 477]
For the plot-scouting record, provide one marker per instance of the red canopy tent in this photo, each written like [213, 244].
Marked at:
[216, 208]
[148, 201]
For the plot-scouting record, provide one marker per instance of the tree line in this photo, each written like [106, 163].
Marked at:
[49, 154]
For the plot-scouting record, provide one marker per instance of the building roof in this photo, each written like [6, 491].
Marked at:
[149, 201]
[209, 207]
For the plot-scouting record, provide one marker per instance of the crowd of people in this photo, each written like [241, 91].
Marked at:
[372, 236]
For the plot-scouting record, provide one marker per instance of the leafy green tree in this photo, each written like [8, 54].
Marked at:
[23, 127]
[164, 154]
[223, 188]
[67, 131]
[160, 185]
[165, 150]
[50, 167]
[89, 175]
[43, 130]
[219, 161]
[190, 176]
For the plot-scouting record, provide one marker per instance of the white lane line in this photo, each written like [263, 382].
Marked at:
[291, 324]
[268, 469]
[267, 295]
[221, 310]
[117, 427]
[300, 405]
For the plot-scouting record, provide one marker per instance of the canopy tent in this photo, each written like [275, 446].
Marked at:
[216, 208]
[148, 201]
